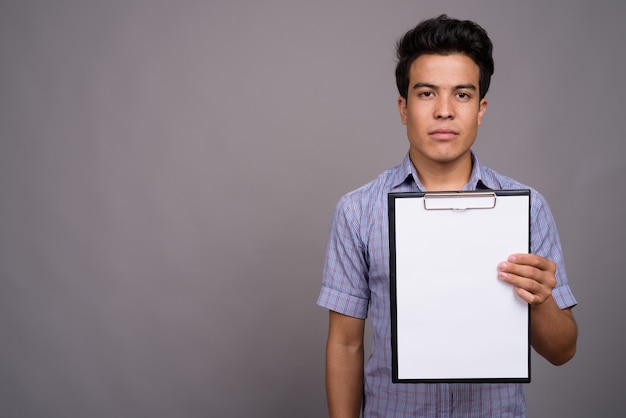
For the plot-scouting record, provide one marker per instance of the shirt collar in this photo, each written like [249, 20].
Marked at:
[406, 173]
[478, 180]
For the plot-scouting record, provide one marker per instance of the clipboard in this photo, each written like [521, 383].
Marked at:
[452, 319]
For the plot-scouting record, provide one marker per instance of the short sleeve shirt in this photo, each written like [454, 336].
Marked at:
[356, 283]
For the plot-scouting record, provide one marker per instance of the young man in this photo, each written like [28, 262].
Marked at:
[443, 74]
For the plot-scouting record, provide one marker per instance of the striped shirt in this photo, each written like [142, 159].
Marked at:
[356, 280]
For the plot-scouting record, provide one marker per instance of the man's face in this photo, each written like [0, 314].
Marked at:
[442, 111]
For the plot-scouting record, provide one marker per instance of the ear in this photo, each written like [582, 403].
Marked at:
[482, 108]
[402, 109]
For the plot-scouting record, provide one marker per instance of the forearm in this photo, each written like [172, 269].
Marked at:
[344, 380]
[553, 332]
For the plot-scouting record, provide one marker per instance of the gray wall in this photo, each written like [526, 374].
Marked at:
[168, 171]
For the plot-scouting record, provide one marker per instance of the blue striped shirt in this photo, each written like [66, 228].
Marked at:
[356, 280]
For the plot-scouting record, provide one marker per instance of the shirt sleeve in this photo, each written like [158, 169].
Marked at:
[546, 243]
[345, 276]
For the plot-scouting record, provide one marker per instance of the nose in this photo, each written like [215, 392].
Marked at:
[444, 109]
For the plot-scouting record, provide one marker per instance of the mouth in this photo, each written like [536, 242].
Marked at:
[443, 134]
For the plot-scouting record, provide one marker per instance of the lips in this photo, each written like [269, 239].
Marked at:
[443, 133]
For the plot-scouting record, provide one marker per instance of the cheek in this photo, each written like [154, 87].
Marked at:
[416, 117]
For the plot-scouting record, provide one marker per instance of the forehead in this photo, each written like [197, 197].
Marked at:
[440, 69]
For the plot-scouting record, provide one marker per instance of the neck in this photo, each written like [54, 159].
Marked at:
[446, 176]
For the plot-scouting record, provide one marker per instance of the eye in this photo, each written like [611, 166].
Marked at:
[426, 94]
[463, 96]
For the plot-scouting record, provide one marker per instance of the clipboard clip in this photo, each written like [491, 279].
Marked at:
[459, 200]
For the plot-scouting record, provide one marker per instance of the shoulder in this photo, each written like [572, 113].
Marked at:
[498, 181]
[372, 193]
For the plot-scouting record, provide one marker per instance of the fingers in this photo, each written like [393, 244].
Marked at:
[532, 276]
[533, 260]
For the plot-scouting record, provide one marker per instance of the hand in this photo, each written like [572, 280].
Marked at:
[532, 276]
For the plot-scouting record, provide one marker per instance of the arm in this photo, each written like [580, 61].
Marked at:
[344, 365]
[553, 330]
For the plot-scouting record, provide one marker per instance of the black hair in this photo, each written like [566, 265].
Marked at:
[443, 35]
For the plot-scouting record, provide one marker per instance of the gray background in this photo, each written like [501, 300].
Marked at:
[168, 171]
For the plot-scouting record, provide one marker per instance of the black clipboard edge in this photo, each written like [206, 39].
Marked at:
[391, 198]
[469, 380]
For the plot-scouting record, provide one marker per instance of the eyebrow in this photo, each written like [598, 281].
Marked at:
[457, 87]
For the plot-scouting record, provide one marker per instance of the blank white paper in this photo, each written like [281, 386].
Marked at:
[454, 318]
